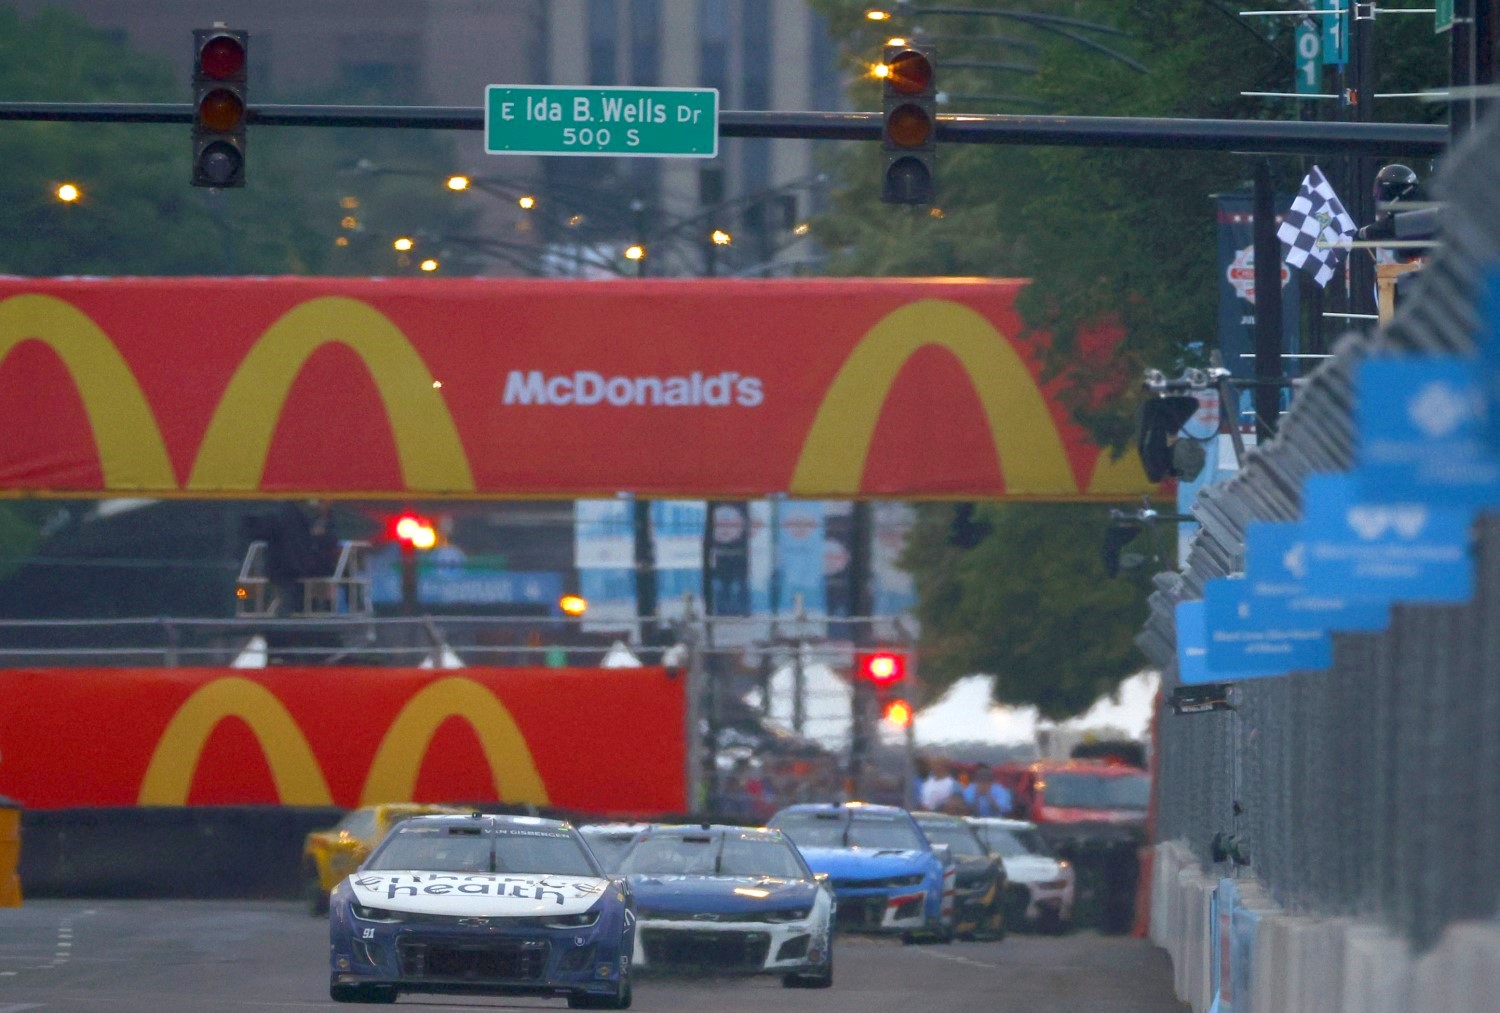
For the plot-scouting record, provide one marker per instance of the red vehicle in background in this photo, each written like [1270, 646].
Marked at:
[1093, 813]
[1077, 791]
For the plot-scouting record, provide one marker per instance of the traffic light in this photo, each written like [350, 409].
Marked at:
[220, 57]
[908, 128]
[1161, 419]
[414, 532]
[897, 713]
[882, 668]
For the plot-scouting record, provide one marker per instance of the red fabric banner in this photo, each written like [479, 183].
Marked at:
[499, 387]
[606, 741]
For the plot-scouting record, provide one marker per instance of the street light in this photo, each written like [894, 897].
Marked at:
[526, 201]
[429, 265]
[68, 193]
[402, 243]
[635, 252]
[458, 183]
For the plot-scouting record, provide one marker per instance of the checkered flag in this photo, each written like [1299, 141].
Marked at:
[1317, 219]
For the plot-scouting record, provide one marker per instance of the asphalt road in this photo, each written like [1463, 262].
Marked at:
[154, 956]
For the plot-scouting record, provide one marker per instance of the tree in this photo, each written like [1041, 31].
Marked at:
[1114, 236]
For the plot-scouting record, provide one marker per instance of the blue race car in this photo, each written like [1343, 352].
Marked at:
[729, 900]
[886, 875]
[482, 905]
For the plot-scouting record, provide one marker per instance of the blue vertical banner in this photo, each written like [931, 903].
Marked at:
[1335, 29]
[799, 557]
[1192, 644]
[1309, 62]
[677, 539]
[893, 590]
[604, 554]
[1236, 220]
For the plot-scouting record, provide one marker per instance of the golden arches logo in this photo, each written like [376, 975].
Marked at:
[295, 771]
[233, 453]
[1033, 460]
[127, 439]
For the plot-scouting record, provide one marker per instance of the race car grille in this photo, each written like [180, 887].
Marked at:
[860, 913]
[726, 950]
[512, 960]
[884, 883]
[909, 908]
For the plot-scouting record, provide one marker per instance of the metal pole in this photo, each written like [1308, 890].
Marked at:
[1461, 60]
[1267, 304]
[799, 688]
[645, 570]
[1362, 177]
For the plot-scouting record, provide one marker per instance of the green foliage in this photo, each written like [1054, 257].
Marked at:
[1029, 603]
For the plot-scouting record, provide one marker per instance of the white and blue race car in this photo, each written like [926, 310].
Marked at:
[729, 900]
[482, 905]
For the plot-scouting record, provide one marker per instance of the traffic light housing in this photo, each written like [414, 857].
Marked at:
[220, 60]
[883, 669]
[908, 126]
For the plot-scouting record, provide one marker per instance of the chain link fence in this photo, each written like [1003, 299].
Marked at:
[1371, 789]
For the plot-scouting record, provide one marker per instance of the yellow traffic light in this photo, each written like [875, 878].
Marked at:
[897, 713]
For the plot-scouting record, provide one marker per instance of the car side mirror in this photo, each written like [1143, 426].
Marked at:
[944, 853]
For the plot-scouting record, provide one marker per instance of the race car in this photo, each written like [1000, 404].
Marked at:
[1030, 864]
[482, 905]
[330, 855]
[887, 876]
[610, 841]
[979, 893]
[730, 900]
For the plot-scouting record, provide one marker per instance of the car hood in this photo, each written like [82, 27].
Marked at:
[481, 894]
[721, 894]
[867, 863]
[1032, 869]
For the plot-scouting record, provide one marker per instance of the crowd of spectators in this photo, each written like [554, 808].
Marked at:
[940, 786]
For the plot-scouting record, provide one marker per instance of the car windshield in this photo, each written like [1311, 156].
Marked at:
[457, 848]
[959, 838]
[1096, 791]
[730, 854]
[360, 823]
[609, 846]
[1013, 843]
[860, 830]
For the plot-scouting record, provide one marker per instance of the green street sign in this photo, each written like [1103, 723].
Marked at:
[567, 120]
[1444, 16]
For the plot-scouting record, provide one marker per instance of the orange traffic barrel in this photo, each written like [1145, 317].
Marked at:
[10, 852]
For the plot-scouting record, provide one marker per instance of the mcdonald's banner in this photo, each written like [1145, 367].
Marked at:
[605, 741]
[387, 388]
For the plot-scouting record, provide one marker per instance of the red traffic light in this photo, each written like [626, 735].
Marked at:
[883, 668]
[222, 56]
[414, 531]
[897, 713]
[908, 72]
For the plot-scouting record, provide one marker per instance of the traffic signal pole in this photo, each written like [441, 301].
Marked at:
[1418, 140]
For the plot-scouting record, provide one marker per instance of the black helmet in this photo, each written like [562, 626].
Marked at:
[1395, 183]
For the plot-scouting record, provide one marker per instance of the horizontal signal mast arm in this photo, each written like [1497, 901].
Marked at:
[1257, 136]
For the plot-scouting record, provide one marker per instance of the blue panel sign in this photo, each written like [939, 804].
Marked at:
[1488, 340]
[1335, 32]
[1422, 424]
[1276, 569]
[1309, 66]
[446, 577]
[1397, 552]
[1192, 645]
[1246, 642]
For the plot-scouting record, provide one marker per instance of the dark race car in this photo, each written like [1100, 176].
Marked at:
[979, 894]
[730, 900]
[482, 905]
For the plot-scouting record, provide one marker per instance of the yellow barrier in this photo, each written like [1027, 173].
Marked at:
[10, 853]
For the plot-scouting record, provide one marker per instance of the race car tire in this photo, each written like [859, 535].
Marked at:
[620, 1000]
[820, 979]
[377, 994]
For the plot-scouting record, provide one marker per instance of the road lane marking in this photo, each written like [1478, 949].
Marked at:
[955, 958]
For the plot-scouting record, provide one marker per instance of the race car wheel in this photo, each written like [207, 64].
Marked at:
[380, 994]
[820, 979]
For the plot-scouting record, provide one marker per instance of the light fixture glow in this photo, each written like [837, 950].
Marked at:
[457, 183]
[636, 252]
[68, 193]
[403, 243]
[528, 202]
[429, 265]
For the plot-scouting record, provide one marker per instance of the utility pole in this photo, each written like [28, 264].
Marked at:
[1268, 323]
[862, 697]
[1361, 96]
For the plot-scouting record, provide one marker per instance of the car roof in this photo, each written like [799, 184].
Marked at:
[491, 819]
[1000, 821]
[853, 808]
[1098, 767]
[711, 829]
[923, 814]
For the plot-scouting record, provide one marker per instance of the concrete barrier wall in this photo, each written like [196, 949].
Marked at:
[1306, 964]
